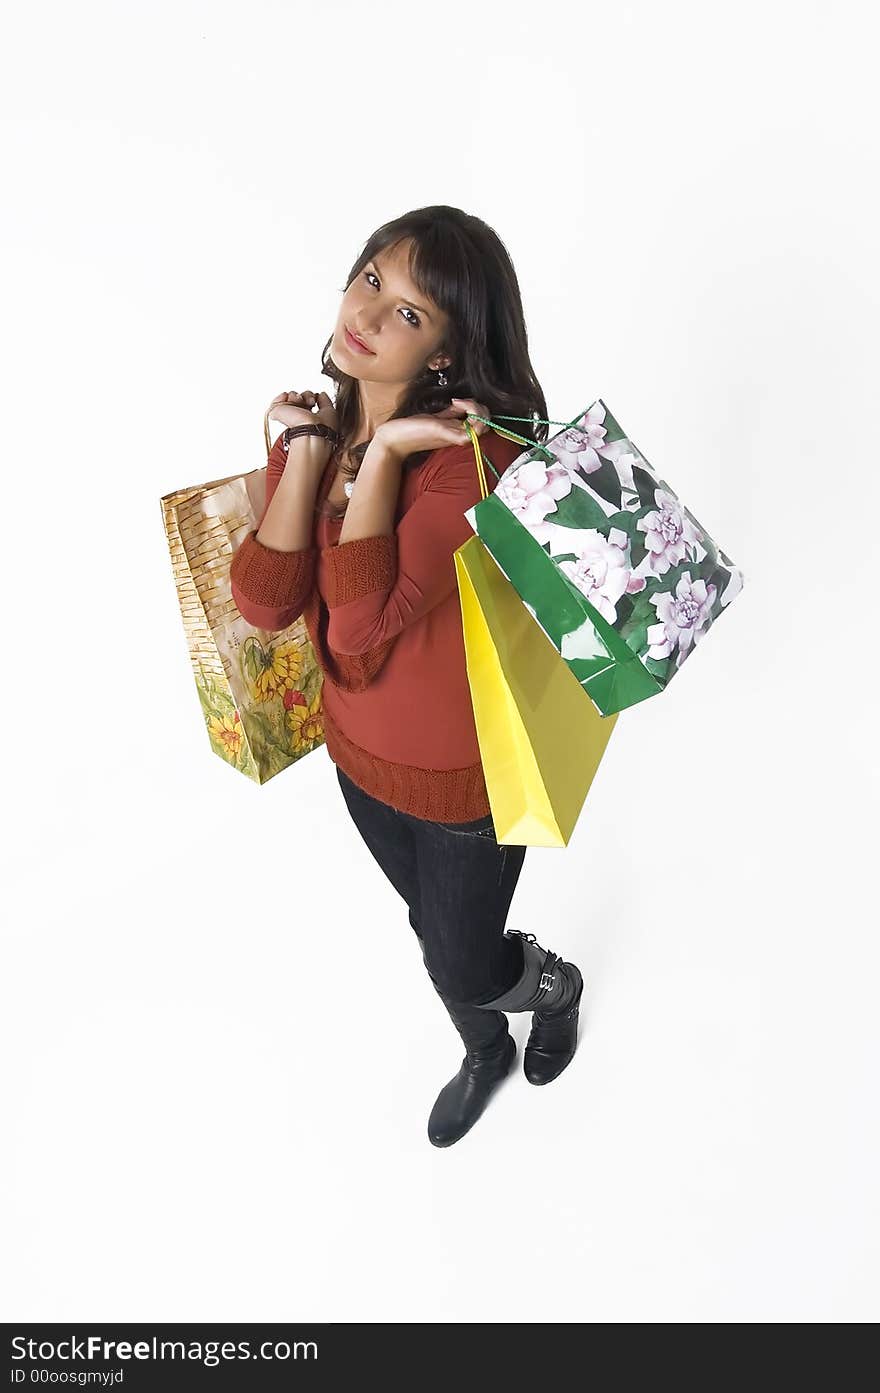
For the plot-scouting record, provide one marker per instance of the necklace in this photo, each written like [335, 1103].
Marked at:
[349, 483]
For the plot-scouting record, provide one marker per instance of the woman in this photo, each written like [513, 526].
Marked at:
[365, 504]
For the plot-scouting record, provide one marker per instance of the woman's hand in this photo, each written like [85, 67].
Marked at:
[409, 434]
[295, 409]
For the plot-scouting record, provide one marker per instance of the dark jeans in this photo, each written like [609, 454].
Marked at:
[458, 883]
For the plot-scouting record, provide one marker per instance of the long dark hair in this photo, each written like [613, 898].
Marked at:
[461, 264]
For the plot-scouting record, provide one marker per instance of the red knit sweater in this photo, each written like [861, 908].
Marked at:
[384, 618]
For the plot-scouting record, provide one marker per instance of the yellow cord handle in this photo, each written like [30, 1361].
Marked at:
[478, 453]
[475, 441]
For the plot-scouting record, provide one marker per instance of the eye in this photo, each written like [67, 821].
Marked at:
[415, 321]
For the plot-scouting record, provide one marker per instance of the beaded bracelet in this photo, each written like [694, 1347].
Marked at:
[326, 432]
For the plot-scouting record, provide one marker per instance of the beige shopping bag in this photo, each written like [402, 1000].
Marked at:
[260, 691]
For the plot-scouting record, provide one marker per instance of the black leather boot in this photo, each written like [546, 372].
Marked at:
[488, 1060]
[552, 989]
[490, 1053]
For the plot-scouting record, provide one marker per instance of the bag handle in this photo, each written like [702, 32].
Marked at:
[482, 459]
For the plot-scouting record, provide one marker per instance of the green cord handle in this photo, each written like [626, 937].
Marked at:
[512, 435]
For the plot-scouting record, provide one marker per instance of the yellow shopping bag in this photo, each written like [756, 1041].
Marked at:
[541, 738]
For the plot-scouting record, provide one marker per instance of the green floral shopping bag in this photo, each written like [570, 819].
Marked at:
[621, 577]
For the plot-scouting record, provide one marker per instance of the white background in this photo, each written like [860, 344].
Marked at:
[221, 1046]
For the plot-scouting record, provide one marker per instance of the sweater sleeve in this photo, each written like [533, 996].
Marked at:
[376, 586]
[271, 588]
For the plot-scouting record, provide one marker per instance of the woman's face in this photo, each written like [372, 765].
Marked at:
[394, 318]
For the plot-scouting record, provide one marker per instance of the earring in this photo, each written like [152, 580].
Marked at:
[441, 379]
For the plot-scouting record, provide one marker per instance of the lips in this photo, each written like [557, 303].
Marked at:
[359, 343]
